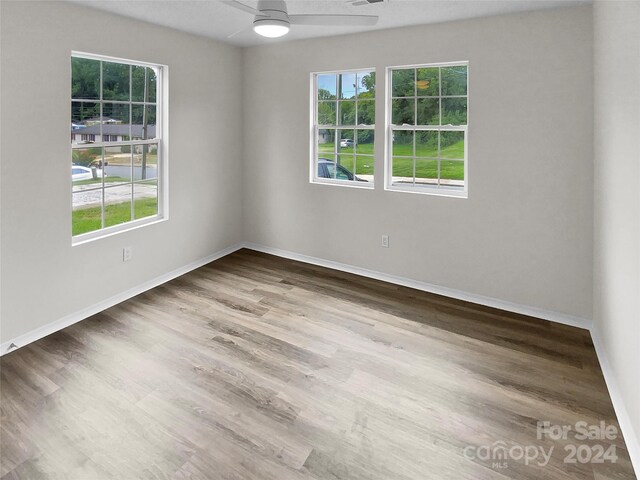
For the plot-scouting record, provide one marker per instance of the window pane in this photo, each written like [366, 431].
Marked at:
[118, 164]
[348, 161]
[403, 111]
[326, 166]
[428, 111]
[348, 164]
[402, 170]
[145, 198]
[366, 83]
[427, 144]
[86, 168]
[403, 143]
[452, 173]
[115, 122]
[139, 82]
[152, 120]
[454, 111]
[143, 119]
[427, 83]
[454, 80]
[364, 167]
[364, 142]
[117, 205]
[427, 171]
[452, 145]
[85, 78]
[327, 87]
[145, 161]
[366, 112]
[115, 113]
[326, 142]
[152, 83]
[327, 113]
[347, 141]
[347, 86]
[115, 81]
[403, 83]
[86, 214]
[84, 115]
[347, 112]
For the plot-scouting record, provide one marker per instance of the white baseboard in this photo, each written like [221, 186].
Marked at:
[64, 322]
[631, 439]
[563, 318]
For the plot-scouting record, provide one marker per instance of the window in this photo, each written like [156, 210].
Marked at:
[117, 147]
[343, 127]
[427, 129]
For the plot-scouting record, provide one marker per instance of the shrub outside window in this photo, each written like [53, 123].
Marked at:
[343, 127]
[117, 146]
[427, 128]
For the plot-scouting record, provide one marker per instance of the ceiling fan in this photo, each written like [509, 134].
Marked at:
[272, 20]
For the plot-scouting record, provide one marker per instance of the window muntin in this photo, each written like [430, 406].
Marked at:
[343, 127]
[427, 128]
[116, 134]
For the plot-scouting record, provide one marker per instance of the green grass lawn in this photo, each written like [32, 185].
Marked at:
[98, 181]
[89, 219]
[455, 150]
[449, 169]
[403, 167]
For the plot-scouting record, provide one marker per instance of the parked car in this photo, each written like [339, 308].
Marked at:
[329, 169]
[346, 143]
[78, 172]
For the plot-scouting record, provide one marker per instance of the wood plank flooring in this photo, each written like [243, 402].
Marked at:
[256, 367]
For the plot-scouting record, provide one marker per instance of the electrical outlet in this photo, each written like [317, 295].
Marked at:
[126, 254]
[385, 241]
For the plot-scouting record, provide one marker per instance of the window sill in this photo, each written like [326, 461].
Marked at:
[110, 231]
[344, 183]
[429, 190]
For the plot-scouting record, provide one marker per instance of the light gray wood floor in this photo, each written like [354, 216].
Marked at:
[256, 367]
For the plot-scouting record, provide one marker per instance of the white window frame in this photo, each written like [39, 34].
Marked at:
[390, 128]
[315, 128]
[161, 139]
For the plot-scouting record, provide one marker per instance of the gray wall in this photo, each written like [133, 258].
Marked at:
[524, 235]
[617, 197]
[44, 278]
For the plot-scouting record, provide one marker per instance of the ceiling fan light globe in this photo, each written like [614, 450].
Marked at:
[271, 28]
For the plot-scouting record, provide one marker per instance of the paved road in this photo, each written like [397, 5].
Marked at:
[124, 171]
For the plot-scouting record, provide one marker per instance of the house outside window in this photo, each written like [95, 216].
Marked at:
[343, 119]
[427, 121]
[118, 154]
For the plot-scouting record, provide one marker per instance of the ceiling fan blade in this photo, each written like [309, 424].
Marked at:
[329, 19]
[358, 3]
[238, 32]
[242, 6]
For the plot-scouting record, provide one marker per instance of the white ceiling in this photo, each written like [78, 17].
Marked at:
[214, 19]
